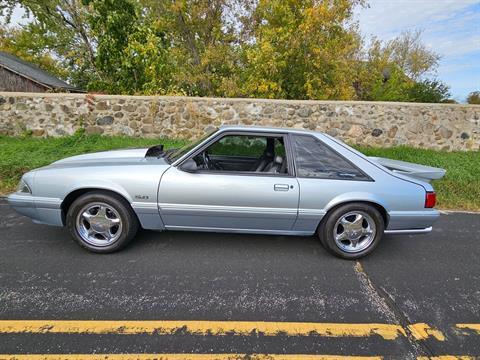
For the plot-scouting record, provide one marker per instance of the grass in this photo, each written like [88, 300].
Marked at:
[459, 189]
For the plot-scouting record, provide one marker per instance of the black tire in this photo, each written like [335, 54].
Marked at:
[128, 220]
[329, 227]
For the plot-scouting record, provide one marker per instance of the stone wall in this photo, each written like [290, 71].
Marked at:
[436, 126]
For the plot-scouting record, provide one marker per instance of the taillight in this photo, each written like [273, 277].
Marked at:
[430, 199]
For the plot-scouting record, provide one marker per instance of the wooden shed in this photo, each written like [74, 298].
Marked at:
[21, 76]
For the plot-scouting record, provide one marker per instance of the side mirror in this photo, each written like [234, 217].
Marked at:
[189, 166]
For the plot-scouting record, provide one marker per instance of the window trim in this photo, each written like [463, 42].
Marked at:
[217, 137]
[367, 177]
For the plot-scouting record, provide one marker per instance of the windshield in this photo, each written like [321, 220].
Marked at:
[178, 153]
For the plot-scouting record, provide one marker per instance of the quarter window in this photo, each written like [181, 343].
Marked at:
[317, 160]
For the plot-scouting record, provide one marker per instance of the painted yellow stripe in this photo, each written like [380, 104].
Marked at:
[184, 357]
[474, 327]
[447, 357]
[209, 357]
[422, 331]
[386, 331]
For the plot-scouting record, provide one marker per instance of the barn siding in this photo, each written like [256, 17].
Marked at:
[10, 81]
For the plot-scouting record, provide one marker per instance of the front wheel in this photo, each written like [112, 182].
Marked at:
[101, 222]
[352, 231]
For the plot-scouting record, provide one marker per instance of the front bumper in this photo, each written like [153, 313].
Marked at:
[40, 210]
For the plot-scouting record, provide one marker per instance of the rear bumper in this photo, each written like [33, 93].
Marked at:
[411, 222]
[40, 210]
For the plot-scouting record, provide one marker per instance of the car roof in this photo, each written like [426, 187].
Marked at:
[266, 129]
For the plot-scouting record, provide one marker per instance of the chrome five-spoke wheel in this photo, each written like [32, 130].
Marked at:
[99, 224]
[101, 221]
[354, 231]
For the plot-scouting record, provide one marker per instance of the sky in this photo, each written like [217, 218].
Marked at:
[450, 27]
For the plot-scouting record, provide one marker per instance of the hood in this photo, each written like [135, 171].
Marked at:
[130, 157]
[113, 155]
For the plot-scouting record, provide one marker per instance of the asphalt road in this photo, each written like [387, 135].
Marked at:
[425, 286]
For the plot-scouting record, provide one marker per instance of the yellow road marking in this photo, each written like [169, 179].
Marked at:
[474, 327]
[422, 331]
[447, 357]
[209, 357]
[184, 357]
[386, 331]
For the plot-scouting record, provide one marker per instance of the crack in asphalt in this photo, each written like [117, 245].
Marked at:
[386, 304]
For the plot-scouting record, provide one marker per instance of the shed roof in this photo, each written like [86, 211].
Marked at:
[32, 72]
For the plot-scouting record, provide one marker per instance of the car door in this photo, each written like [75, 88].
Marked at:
[226, 199]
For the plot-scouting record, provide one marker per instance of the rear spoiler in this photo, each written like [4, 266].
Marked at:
[421, 172]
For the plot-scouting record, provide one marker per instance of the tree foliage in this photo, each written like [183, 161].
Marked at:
[300, 49]
[474, 98]
[429, 91]
[289, 49]
[66, 31]
[131, 56]
[396, 71]
[31, 44]
[410, 55]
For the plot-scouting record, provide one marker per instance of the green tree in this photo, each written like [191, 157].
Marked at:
[429, 91]
[111, 22]
[289, 49]
[204, 41]
[409, 53]
[393, 85]
[396, 71]
[300, 49]
[131, 56]
[474, 98]
[103, 44]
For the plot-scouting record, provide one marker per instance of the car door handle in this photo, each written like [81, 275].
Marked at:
[281, 187]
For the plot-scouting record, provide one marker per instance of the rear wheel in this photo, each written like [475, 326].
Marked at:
[101, 222]
[352, 231]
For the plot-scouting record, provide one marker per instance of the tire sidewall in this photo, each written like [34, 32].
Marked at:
[326, 229]
[129, 220]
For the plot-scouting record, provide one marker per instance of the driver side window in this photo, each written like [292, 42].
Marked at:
[245, 153]
[238, 145]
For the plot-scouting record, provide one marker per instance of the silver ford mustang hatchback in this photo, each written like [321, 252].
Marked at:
[236, 179]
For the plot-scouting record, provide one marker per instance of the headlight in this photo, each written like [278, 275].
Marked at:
[23, 187]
